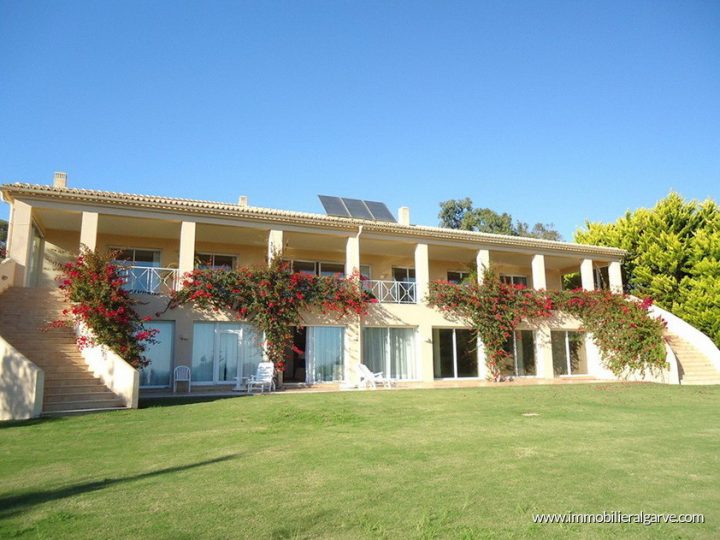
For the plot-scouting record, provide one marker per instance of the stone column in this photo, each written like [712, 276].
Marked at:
[483, 262]
[353, 351]
[352, 255]
[275, 245]
[186, 261]
[20, 240]
[587, 276]
[89, 230]
[422, 272]
[425, 352]
[482, 365]
[543, 352]
[538, 272]
[615, 275]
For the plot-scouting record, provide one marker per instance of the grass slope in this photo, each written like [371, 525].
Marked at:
[454, 463]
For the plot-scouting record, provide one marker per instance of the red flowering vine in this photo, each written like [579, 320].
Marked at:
[93, 287]
[272, 298]
[630, 340]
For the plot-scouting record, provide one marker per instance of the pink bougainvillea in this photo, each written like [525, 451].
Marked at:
[630, 339]
[93, 287]
[272, 298]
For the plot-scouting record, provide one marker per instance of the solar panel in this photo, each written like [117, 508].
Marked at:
[379, 211]
[334, 206]
[357, 209]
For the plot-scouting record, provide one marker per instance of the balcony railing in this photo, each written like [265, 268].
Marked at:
[149, 280]
[392, 292]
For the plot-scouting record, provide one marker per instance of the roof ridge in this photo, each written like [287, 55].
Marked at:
[248, 211]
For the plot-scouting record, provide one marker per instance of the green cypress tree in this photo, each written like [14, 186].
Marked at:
[673, 257]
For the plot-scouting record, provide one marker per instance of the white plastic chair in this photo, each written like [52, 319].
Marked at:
[263, 378]
[182, 374]
[368, 379]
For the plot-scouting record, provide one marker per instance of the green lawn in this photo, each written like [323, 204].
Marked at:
[453, 463]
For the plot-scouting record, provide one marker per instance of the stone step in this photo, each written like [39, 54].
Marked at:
[70, 379]
[59, 385]
[76, 389]
[62, 369]
[68, 397]
[49, 368]
[77, 412]
[72, 406]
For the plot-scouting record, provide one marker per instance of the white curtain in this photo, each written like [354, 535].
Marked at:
[325, 353]
[390, 350]
[233, 349]
[250, 352]
[402, 353]
[160, 355]
[203, 355]
[375, 349]
[228, 344]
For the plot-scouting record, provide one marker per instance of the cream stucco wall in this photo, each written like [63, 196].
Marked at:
[21, 385]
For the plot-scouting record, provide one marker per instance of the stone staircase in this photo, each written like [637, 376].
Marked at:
[695, 368]
[69, 385]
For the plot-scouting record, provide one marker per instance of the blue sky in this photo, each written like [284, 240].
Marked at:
[552, 111]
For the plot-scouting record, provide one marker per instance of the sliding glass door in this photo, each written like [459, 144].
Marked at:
[454, 353]
[390, 350]
[325, 354]
[521, 348]
[160, 354]
[569, 353]
[222, 352]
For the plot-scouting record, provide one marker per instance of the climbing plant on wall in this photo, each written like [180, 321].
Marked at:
[273, 298]
[93, 287]
[630, 340]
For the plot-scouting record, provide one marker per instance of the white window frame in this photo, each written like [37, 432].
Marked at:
[134, 249]
[214, 254]
[515, 352]
[317, 265]
[513, 279]
[407, 274]
[416, 350]
[464, 274]
[567, 353]
[172, 357]
[455, 368]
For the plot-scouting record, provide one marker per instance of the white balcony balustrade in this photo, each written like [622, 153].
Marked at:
[392, 292]
[148, 279]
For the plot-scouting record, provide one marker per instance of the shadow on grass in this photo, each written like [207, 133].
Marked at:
[19, 503]
[4, 424]
[146, 402]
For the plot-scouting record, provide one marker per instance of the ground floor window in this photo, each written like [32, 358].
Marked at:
[317, 355]
[569, 353]
[522, 348]
[160, 354]
[222, 352]
[454, 353]
[390, 350]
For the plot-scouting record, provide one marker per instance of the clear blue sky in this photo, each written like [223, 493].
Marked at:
[552, 111]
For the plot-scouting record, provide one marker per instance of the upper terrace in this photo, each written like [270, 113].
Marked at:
[160, 238]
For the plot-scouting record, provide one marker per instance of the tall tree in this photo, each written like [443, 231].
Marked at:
[673, 257]
[460, 214]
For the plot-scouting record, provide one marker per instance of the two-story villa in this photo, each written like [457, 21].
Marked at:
[161, 238]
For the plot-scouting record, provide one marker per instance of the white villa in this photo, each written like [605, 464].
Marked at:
[161, 238]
